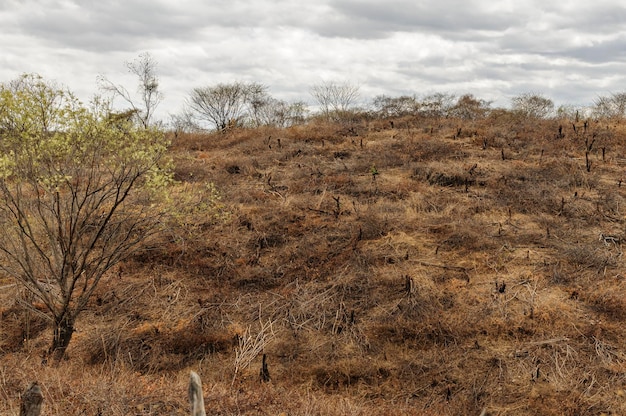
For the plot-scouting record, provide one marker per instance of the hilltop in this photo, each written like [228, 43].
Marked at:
[408, 266]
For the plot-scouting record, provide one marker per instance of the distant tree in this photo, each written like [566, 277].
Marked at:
[572, 112]
[610, 106]
[223, 105]
[257, 100]
[468, 107]
[183, 122]
[532, 105]
[436, 105]
[619, 103]
[144, 67]
[77, 187]
[278, 113]
[334, 99]
[385, 106]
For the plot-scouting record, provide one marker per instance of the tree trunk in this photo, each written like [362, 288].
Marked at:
[63, 331]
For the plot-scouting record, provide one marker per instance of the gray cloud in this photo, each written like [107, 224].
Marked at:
[373, 18]
[572, 51]
[101, 26]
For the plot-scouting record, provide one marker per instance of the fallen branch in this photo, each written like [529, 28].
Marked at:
[549, 341]
[443, 266]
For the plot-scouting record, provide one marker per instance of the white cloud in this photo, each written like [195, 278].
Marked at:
[571, 51]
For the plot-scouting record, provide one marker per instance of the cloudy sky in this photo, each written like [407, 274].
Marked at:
[570, 51]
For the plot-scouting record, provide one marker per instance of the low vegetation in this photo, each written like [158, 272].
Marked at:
[362, 265]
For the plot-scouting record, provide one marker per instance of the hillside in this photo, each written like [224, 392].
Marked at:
[424, 266]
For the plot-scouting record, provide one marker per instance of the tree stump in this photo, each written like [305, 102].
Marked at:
[195, 395]
[264, 374]
[32, 400]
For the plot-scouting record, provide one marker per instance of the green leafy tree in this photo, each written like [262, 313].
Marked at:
[77, 193]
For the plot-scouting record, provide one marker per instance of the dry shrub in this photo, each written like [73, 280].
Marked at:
[594, 257]
[149, 348]
[74, 388]
[373, 223]
[606, 298]
[527, 197]
[439, 174]
[317, 131]
[340, 374]
[190, 141]
[19, 324]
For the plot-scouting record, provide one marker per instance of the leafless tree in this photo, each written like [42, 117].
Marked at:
[573, 112]
[533, 105]
[385, 106]
[610, 106]
[468, 107]
[436, 105]
[334, 98]
[145, 69]
[257, 100]
[278, 113]
[223, 104]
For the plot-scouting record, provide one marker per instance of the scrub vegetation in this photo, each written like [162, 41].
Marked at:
[428, 256]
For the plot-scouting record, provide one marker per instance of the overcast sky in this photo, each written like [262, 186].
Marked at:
[570, 51]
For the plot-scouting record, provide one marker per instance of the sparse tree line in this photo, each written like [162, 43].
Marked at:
[224, 106]
[237, 104]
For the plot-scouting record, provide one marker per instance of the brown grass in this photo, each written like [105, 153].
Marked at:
[467, 274]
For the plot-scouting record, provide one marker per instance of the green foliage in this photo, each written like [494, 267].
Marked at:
[47, 133]
[191, 206]
[78, 193]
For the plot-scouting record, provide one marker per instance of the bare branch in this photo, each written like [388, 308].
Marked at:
[144, 68]
[334, 98]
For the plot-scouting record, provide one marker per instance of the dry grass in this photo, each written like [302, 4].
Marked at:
[408, 271]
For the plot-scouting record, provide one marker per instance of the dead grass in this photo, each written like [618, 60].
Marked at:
[405, 271]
